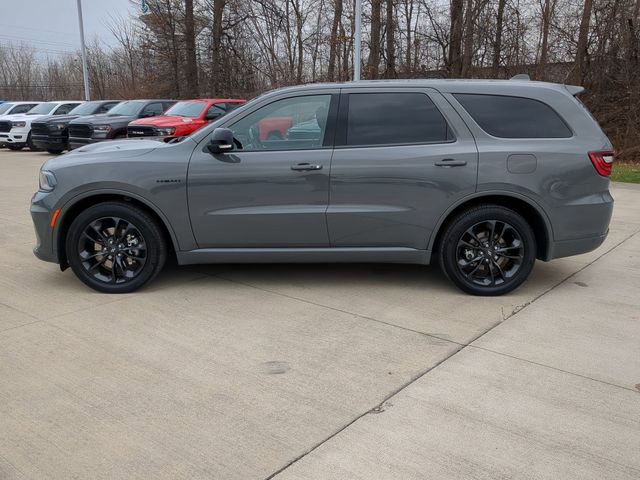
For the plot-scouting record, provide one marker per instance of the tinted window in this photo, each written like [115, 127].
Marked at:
[290, 124]
[394, 118]
[514, 117]
[153, 109]
[66, 108]
[24, 108]
[216, 110]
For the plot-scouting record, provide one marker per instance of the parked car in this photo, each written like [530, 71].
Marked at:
[8, 110]
[19, 134]
[183, 118]
[113, 125]
[51, 133]
[482, 177]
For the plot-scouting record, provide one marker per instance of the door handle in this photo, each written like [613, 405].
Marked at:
[450, 162]
[305, 167]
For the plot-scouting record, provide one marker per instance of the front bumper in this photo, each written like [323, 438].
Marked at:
[49, 142]
[77, 142]
[41, 214]
[14, 137]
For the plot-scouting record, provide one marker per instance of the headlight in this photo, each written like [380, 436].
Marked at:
[47, 181]
[101, 128]
[166, 130]
[19, 124]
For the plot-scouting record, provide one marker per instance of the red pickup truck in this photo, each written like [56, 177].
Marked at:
[185, 117]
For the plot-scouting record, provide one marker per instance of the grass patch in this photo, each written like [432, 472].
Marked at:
[626, 172]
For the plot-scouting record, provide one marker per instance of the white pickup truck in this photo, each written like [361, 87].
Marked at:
[9, 109]
[15, 130]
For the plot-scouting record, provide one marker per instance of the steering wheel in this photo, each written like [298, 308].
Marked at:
[254, 137]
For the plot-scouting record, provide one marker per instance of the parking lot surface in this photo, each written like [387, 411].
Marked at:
[318, 371]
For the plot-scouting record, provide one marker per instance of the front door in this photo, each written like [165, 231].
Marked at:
[272, 190]
[402, 157]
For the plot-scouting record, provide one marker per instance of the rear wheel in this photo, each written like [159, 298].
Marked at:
[115, 247]
[488, 250]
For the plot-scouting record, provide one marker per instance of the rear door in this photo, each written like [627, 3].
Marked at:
[402, 157]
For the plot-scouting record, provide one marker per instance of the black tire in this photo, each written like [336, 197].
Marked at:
[488, 250]
[15, 148]
[54, 152]
[141, 262]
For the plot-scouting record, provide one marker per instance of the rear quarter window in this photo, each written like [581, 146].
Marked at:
[514, 117]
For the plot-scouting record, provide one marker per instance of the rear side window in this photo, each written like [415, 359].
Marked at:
[394, 118]
[514, 117]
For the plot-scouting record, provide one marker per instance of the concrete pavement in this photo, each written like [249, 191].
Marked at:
[317, 371]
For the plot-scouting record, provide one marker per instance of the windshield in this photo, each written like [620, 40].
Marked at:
[4, 107]
[43, 108]
[187, 109]
[86, 108]
[132, 107]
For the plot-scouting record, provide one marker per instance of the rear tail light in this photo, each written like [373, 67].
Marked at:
[602, 161]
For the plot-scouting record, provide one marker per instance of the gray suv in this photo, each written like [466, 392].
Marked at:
[482, 177]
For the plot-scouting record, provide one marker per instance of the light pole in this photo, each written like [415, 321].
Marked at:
[85, 72]
[358, 41]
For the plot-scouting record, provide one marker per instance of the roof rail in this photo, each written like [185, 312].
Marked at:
[521, 76]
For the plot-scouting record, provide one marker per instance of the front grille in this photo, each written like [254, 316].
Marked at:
[80, 130]
[5, 126]
[39, 128]
[140, 131]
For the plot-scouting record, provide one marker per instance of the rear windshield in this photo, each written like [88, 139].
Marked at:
[514, 117]
[4, 107]
[187, 109]
[131, 107]
[43, 108]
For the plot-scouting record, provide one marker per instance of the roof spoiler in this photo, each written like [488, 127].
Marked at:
[574, 90]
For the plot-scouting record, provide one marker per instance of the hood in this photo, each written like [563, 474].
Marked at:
[104, 119]
[131, 146]
[57, 118]
[165, 121]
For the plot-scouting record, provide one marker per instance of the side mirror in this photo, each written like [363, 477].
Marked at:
[212, 115]
[221, 141]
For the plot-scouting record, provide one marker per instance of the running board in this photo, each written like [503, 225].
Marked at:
[305, 255]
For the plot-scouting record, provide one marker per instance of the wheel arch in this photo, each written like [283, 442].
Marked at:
[81, 202]
[532, 212]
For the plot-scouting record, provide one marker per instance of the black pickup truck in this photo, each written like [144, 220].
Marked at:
[51, 133]
[97, 128]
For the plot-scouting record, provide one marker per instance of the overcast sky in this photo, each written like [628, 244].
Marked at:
[51, 26]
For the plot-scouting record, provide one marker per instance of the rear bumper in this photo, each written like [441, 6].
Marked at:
[568, 248]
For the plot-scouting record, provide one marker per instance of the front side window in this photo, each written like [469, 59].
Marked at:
[297, 123]
[394, 119]
[216, 110]
[152, 110]
[66, 108]
[23, 108]
[513, 117]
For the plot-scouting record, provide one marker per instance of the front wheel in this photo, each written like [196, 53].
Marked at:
[15, 148]
[488, 250]
[115, 247]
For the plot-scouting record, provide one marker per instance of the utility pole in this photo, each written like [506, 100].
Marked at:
[358, 42]
[85, 72]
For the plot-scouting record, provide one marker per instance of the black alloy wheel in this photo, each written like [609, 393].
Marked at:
[488, 250]
[115, 247]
